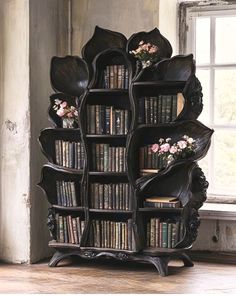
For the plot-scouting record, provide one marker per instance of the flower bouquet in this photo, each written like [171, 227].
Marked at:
[69, 114]
[147, 53]
[182, 149]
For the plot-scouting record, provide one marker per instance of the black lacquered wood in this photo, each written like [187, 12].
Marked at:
[69, 75]
[182, 179]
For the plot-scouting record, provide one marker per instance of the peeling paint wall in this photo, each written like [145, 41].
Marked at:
[215, 235]
[125, 16]
[15, 131]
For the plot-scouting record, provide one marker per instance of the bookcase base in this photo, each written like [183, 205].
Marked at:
[159, 261]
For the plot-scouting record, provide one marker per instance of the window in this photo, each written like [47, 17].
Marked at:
[208, 31]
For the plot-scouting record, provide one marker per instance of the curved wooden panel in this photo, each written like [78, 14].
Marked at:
[102, 39]
[69, 75]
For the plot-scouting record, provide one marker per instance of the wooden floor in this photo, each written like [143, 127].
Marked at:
[117, 277]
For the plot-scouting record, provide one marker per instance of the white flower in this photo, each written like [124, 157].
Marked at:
[190, 140]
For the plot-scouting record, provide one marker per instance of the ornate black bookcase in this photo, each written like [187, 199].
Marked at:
[81, 82]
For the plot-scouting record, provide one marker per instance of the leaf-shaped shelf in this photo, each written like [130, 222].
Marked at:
[177, 68]
[111, 57]
[185, 181]
[49, 136]
[49, 178]
[102, 39]
[71, 101]
[154, 37]
[69, 75]
[150, 134]
[175, 182]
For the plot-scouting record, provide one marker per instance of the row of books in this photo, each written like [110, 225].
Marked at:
[104, 120]
[106, 158]
[69, 229]
[66, 194]
[116, 76]
[110, 196]
[69, 154]
[164, 234]
[149, 159]
[111, 234]
[160, 109]
[162, 202]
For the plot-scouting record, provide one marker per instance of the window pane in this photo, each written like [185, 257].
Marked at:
[225, 102]
[224, 173]
[202, 40]
[204, 78]
[225, 43]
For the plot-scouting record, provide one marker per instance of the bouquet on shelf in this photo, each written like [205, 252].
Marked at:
[184, 148]
[147, 53]
[69, 114]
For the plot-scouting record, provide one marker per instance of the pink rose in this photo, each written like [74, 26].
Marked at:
[61, 112]
[155, 148]
[182, 144]
[165, 147]
[63, 104]
[173, 149]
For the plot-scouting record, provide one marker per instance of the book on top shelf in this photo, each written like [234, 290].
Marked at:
[162, 202]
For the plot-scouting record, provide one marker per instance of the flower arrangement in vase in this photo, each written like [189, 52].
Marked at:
[69, 114]
[147, 53]
[182, 149]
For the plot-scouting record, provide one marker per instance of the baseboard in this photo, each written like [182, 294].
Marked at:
[215, 257]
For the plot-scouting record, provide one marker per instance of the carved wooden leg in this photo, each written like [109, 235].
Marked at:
[161, 264]
[186, 259]
[58, 256]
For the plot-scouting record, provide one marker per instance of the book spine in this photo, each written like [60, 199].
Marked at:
[164, 235]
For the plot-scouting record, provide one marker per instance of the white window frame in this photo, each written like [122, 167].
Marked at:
[189, 11]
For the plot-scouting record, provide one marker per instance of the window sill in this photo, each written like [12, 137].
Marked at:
[217, 211]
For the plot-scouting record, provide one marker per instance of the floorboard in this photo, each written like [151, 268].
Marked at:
[109, 276]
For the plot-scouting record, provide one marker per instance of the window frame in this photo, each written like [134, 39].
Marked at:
[187, 11]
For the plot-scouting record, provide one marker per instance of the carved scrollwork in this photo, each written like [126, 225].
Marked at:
[89, 254]
[193, 94]
[51, 223]
[199, 188]
[122, 256]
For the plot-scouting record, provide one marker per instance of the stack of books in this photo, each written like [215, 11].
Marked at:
[162, 202]
[66, 194]
[107, 120]
[69, 229]
[106, 158]
[111, 234]
[69, 154]
[116, 76]
[160, 109]
[110, 196]
[163, 234]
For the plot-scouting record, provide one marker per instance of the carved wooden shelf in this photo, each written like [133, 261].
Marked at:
[82, 83]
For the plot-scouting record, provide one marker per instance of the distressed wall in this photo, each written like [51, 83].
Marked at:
[31, 33]
[15, 131]
[125, 16]
[46, 34]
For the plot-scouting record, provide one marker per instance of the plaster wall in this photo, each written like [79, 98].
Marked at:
[15, 131]
[168, 24]
[48, 25]
[125, 16]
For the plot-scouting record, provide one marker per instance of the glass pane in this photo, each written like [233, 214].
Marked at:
[224, 173]
[225, 90]
[225, 39]
[204, 78]
[202, 40]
